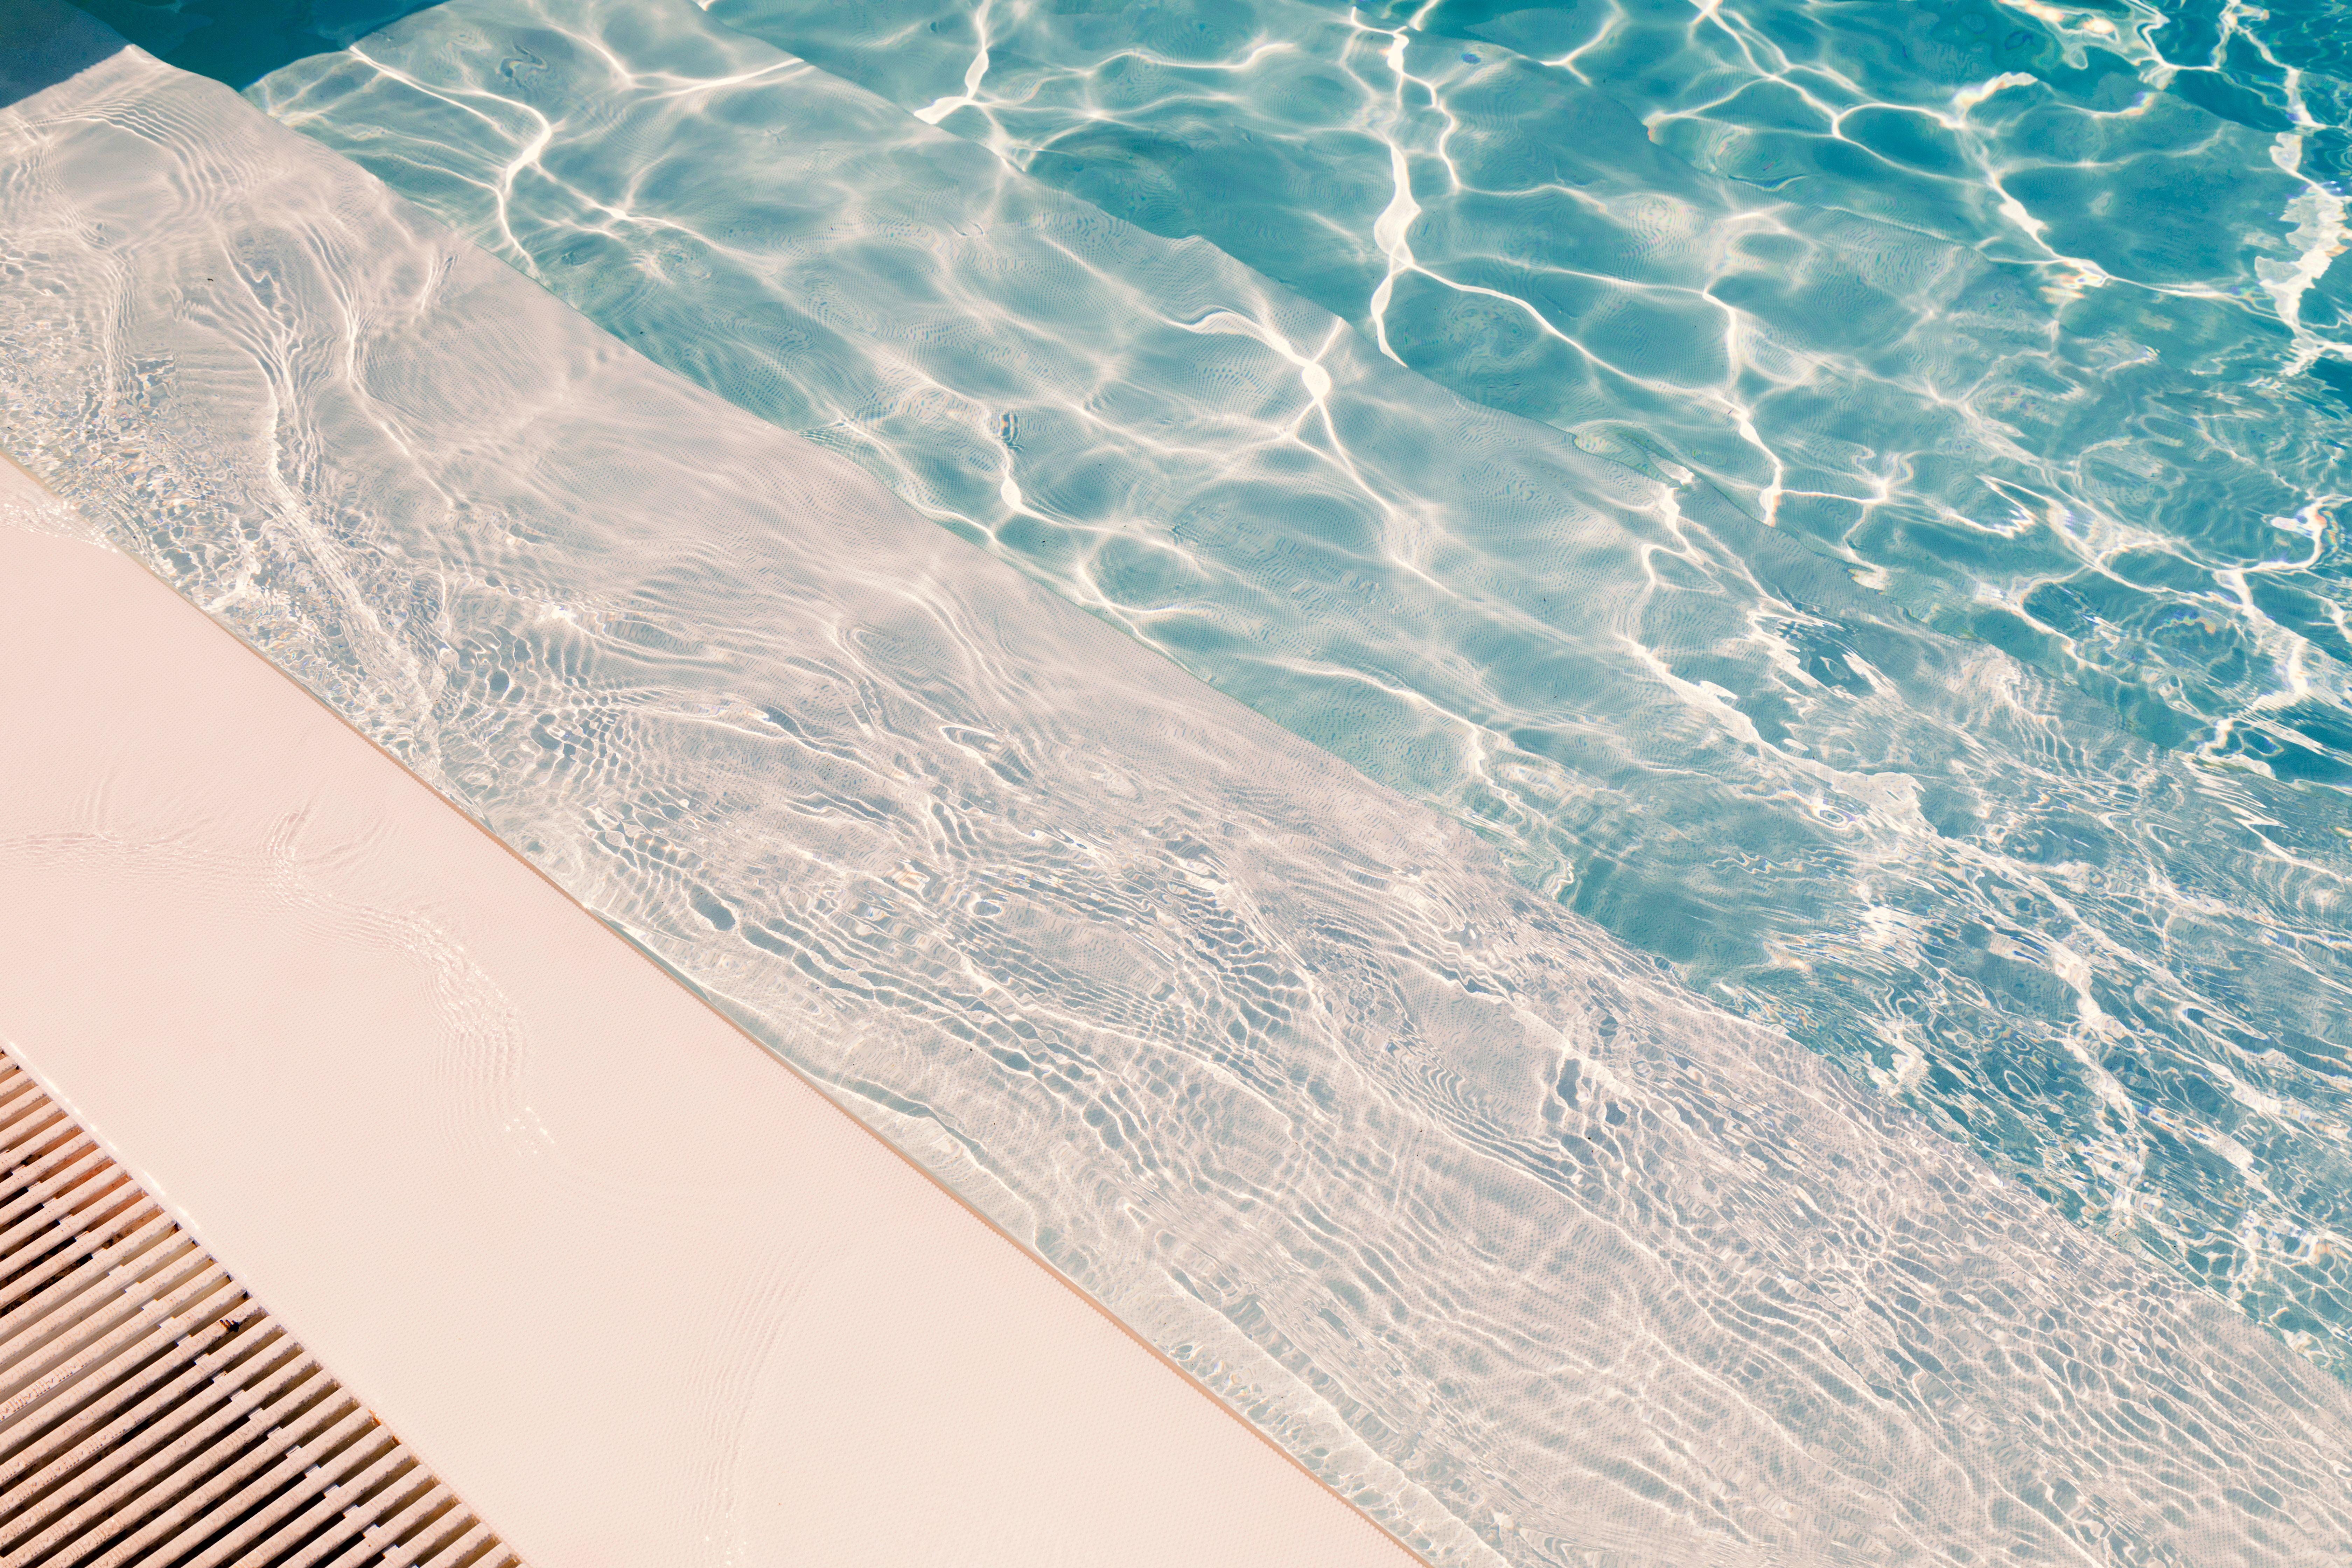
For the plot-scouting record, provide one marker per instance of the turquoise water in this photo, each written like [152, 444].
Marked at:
[240, 41]
[1504, 1225]
[1860, 523]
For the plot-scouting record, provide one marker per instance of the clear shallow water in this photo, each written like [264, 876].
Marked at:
[1495, 1224]
[2072, 382]
[1904, 595]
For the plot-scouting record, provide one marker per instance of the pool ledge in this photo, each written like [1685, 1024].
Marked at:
[640, 1294]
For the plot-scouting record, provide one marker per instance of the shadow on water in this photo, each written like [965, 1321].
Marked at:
[240, 41]
[43, 42]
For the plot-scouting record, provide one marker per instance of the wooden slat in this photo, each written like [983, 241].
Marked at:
[153, 1416]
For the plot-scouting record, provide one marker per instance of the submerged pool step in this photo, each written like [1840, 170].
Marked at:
[153, 1415]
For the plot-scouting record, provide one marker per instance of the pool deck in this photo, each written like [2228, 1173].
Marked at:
[638, 1292]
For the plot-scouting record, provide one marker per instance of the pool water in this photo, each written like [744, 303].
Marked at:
[1952, 670]
[240, 41]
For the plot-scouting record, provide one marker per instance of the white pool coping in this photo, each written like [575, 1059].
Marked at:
[639, 1293]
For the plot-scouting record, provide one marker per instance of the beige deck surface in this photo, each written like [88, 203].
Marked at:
[636, 1290]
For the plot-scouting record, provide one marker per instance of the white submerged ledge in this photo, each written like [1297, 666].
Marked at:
[636, 1291]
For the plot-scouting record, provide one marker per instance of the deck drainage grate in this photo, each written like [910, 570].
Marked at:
[154, 1415]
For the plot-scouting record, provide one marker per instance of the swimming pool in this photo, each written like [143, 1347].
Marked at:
[1842, 497]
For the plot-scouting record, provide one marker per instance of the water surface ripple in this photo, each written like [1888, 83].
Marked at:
[2074, 887]
[2025, 313]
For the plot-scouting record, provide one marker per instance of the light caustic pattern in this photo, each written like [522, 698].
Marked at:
[1483, 1217]
[2070, 388]
[2115, 969]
